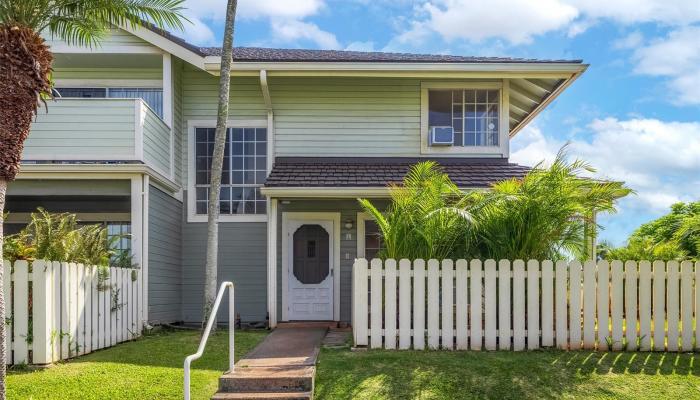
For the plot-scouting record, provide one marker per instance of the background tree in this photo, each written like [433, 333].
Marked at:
[674, 236]
[25, 69]
[210, 274]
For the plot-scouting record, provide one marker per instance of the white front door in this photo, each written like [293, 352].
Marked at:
[310, 270]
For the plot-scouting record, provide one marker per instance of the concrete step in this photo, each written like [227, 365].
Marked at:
[263, 396]
[307, 324]
[268, 379]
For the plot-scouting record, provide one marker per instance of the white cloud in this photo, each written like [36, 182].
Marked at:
[216, 9]
[519, 21]
[480, 20]
[198, 32]
[290, 30]
[286, 20]
[676, 57]
[668, 12]
[656, 158]
[360, 46]
[631, 41]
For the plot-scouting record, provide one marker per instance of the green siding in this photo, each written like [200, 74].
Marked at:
[164, 258]
[83, 128]
[115, 37]
[199, 91]
[346, 117]
[156, 141]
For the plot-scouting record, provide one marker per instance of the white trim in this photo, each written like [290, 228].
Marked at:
[504, 122]
[25, 217]
[493, 70]
[361, 218]
[138, 234]
[139, 120]
[167, 85]
[311, 216]
[272, 262]
[192, 215]
[166, 45]
[109, 83]
[325, 192]
[463, 151]
[96, 171]
[144, 261]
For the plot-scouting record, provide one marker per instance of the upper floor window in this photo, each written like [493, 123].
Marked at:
[244, 170]
[151, 96]
[473, 115]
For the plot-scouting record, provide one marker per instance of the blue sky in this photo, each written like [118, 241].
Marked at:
[634, 115]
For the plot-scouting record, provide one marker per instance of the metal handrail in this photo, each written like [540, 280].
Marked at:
[207, 331]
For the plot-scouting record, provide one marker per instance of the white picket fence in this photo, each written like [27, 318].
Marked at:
[522, 305]
[61, 310]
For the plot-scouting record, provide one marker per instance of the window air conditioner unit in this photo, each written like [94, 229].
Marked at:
[441, 136]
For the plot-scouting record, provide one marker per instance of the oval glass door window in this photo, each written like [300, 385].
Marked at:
[311, 256]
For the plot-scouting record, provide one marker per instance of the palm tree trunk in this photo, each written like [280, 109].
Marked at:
[210, 278]
[25, 66]
[3, 350]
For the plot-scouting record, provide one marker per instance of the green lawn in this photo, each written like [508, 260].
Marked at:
[148, 368]
[151, 368]
[378, 374]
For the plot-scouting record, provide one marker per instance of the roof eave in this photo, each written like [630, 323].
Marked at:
[504, 69]
[555, 93]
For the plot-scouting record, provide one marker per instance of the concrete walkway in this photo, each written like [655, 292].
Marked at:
[281, 367]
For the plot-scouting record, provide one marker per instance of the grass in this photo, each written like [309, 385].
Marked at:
[379, 374]
[148, 368]
[151, 368]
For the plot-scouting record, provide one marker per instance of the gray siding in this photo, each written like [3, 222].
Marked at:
[242, 259]
[348, 209]
[164, 257]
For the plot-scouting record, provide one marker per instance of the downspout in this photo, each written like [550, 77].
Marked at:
[271, 209]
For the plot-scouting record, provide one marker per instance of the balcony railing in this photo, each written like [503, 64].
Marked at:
[97, 129]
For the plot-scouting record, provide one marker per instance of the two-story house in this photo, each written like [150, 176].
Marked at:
[129, 139]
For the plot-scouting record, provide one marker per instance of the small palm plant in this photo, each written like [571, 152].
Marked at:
[546, 214]
[25, 68]
[428, 216]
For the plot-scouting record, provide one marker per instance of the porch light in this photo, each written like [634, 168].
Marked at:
[348, 224]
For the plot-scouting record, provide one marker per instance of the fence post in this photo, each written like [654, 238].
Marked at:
[418, 304]
[376, 303]
[447, 304]
[533, 304]
[475, 291]
[359, 284]
[21, 312]
[42, 310]
[433, 304]
[7, 286]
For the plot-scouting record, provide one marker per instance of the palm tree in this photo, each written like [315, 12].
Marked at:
[210, 275]
[25, 69]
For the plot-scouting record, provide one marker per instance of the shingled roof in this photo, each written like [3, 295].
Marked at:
[377, 172]
[262, 54]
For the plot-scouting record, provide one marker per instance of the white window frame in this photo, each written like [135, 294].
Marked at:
[192, 215]
[465, 151]
[362, 217]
